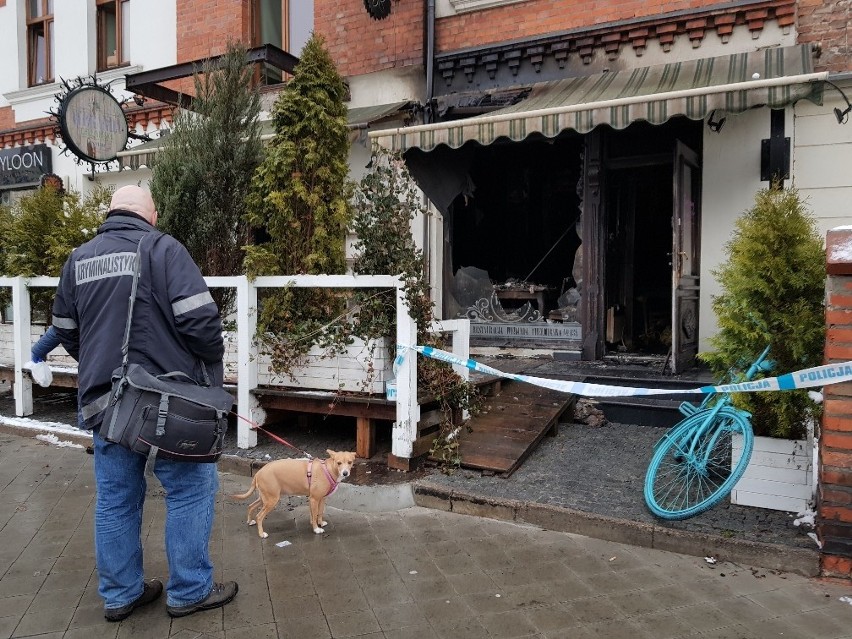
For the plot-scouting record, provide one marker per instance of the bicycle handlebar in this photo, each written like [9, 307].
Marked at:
[759, 365]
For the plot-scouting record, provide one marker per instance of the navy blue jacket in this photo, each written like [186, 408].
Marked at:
[176, 325]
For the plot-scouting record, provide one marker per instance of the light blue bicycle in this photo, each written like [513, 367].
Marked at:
[691, 469]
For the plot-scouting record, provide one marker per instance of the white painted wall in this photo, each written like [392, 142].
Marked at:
[730, 178]
[387, 87]
[13, 49]
[75, 40]
[153, 33]
[821, 170]
[822, 159]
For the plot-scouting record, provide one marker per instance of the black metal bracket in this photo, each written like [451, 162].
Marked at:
[149, 83]
[775, 151]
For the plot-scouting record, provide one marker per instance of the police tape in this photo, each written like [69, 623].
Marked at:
[806, 378]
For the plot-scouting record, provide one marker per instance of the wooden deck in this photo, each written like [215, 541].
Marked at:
[514, 421]
[366, 410]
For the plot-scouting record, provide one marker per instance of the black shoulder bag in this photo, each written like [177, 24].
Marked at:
[169, 416]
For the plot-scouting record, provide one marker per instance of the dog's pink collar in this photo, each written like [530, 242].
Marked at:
[332, 484]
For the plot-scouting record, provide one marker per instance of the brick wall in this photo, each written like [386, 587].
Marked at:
[358, 44]
[826, 22]
[203, 27]
[525, 19]
[834, 503]
[7, 118]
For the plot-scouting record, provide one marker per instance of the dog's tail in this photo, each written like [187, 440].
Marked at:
[250, 491]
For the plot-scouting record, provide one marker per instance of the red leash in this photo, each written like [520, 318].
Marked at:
[273, 436]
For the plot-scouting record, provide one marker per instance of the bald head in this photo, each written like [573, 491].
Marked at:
[136, 200]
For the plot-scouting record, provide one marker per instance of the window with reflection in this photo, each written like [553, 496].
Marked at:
[39, 42]
[112, 33]
[287, 24]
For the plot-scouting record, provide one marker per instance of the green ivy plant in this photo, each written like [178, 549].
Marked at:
[773, 285]
[386, 202]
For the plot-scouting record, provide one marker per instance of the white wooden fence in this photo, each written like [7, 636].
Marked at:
[248, 362]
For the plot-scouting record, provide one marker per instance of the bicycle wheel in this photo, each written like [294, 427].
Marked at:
[681, 483]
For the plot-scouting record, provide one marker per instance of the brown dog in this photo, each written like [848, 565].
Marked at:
[316, 478]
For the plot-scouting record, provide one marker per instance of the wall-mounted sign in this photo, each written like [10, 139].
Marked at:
[92, 123]
[531, 330]
[23, 166]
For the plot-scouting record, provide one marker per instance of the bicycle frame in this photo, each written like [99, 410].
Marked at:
[691, 468]
[690, 440]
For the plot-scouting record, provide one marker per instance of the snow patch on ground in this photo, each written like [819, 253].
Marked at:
[805, 518]
[50, 438]
[57, 428]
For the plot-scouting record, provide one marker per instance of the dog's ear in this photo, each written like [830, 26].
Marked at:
[330, 452]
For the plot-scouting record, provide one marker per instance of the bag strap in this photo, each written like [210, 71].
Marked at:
[125, 346]
[176, 374]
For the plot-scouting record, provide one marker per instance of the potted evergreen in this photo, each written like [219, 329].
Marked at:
[773, 284]
[300, 208]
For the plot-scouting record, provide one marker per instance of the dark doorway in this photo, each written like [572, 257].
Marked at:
[519, 223]
[650, 213]
[638, 259]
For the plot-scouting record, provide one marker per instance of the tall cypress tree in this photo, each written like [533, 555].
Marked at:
[299, 205]
[202, 176]
[773, 291]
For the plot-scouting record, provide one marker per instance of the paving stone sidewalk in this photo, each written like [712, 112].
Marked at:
[598, 470]
[413, 573]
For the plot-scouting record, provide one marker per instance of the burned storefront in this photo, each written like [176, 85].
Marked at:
[572, 217]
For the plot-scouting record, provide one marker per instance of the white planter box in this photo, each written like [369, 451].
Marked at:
[779, 475]
[354, 370]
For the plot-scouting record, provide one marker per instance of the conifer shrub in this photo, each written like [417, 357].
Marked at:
[202, 176]
[773, 284]
[299, 206]
[40, 230]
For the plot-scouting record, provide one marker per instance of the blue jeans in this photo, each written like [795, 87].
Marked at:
[190, 497]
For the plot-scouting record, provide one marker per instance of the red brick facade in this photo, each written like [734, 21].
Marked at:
[827, 24]
[358, 44]
[834, 505]
[204, 26]
[526, 19]
[361, 45]
[7, 118]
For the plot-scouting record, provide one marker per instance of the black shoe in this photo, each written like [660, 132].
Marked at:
[218, 597]
[151, 591]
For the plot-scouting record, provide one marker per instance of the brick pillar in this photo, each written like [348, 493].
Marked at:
[834, 499]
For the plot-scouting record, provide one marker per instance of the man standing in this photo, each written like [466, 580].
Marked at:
[176, 327]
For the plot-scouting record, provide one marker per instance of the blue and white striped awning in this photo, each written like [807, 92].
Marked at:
[733, 83]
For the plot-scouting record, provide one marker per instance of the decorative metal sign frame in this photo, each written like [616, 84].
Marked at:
[91, 122]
